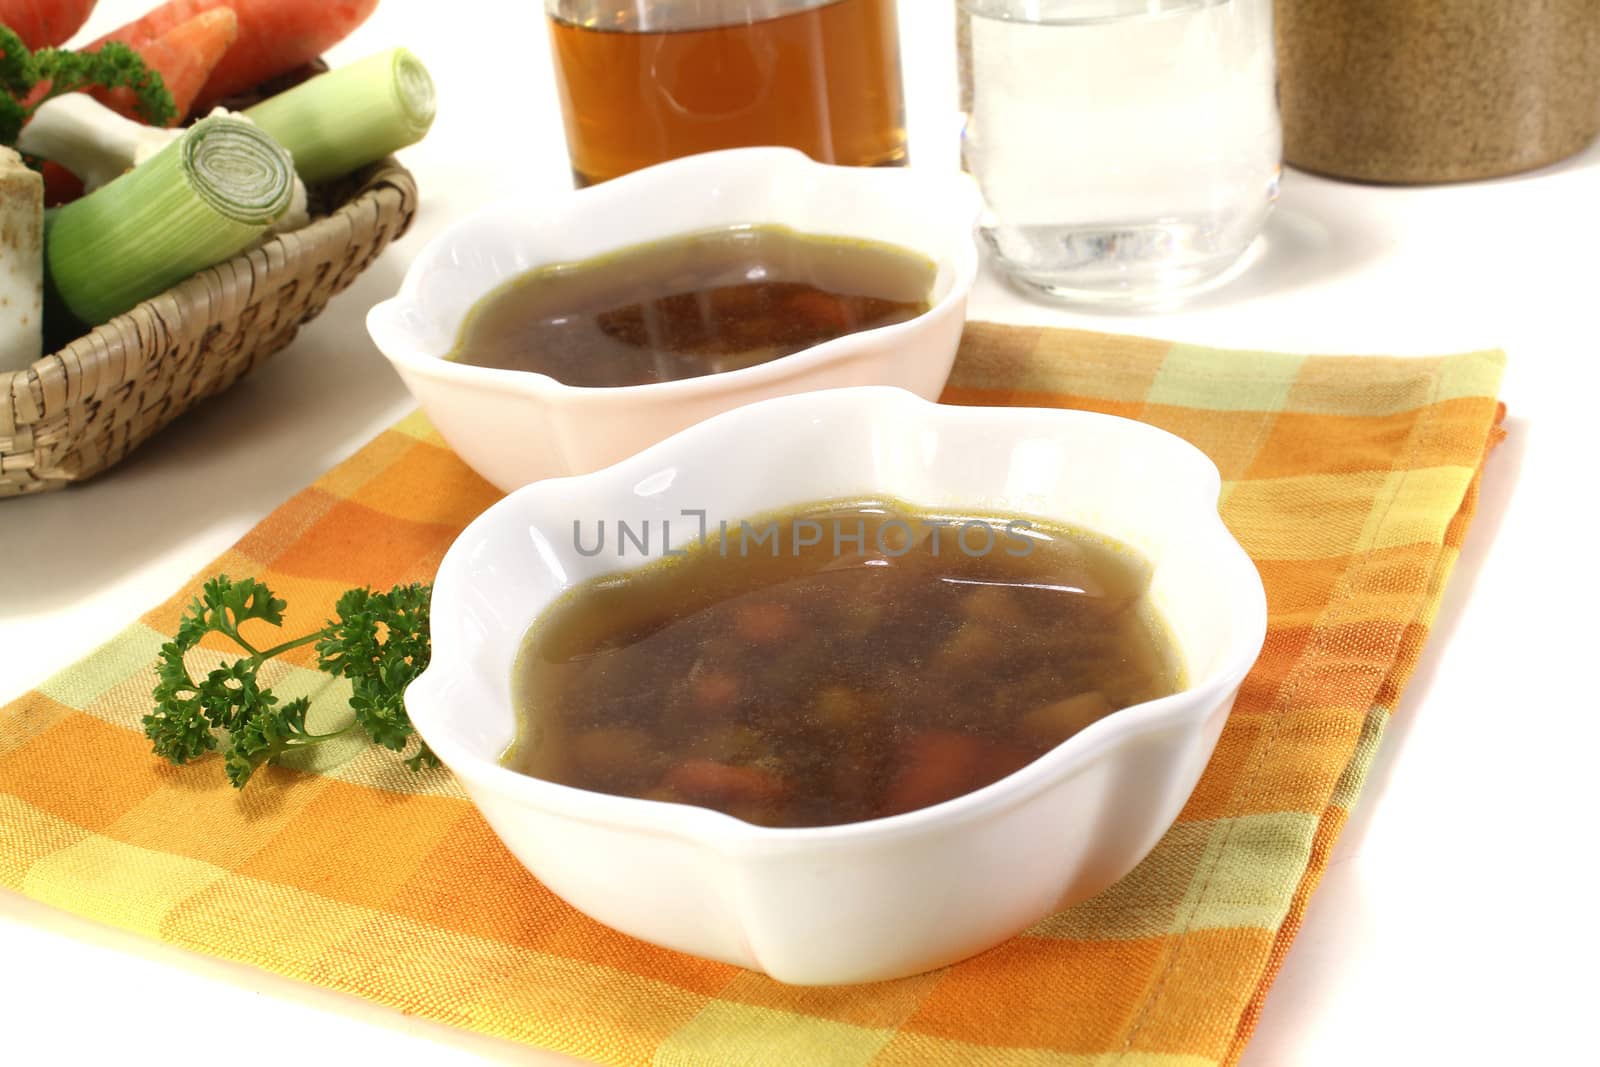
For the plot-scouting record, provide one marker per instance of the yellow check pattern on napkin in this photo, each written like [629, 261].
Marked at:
[1349, 480]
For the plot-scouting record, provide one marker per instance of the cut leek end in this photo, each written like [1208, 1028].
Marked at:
[414, 93]
[240, 172]
[352, 116]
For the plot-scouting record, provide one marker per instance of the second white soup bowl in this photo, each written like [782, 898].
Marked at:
[514, 427]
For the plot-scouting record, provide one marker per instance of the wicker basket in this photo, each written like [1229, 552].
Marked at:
[78, 411]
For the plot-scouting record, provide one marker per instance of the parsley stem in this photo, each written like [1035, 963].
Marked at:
[277, 650]
[307, 740]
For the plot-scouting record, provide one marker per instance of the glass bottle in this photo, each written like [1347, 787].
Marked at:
[650, 80]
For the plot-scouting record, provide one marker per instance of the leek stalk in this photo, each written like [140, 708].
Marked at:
[99, 146]
[343, 120]
[202, 199]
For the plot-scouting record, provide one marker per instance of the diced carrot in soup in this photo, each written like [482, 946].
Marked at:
[713, 693]
[703, 781]
[764, 622]
[934, 767]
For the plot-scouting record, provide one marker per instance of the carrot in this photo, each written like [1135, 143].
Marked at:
[764, 622]
[713, 693]
[61, 186]
[45, 23]
[275, 36]
[940, 765]
[184, 56]
[935, 766]
[704, 781]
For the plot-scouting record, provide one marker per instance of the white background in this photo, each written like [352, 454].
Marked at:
[1454, 923]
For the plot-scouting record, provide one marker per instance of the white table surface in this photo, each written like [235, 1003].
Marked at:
[1454, 923]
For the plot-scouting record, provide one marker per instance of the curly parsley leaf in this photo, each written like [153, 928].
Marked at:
[114, 65]
[18, 73]
[178, 726]
[379, 641]
[231, 694]
[266, 735]
[187, 712]
[224, 605]
[18, 70]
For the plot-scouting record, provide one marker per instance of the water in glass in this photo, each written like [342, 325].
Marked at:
[1128, 150]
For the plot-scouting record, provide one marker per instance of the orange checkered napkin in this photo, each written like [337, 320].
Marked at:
[1349, 480]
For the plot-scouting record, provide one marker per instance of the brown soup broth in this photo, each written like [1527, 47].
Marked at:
[691, 305]
[813, 687]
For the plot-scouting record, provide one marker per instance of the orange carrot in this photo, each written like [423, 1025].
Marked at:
[703, 781]
[763, 622]
[45, 23]
[275, 36]
[940, 765]
[61, 186]
[184, 56]
[935, 766]
[713, 693]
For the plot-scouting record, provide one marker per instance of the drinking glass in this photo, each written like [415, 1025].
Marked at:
[1128, 150]
[650, 80]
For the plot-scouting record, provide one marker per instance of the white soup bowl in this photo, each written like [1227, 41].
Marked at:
[887, 897]
[515, 426]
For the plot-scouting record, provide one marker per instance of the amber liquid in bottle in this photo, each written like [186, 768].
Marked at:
[825, 80]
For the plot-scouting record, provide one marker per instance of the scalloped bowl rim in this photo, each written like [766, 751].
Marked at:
[401, 347]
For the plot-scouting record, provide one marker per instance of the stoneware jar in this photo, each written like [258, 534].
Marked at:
[1437, 90]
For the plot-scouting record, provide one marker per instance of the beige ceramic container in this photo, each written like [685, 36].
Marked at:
[1437, 90]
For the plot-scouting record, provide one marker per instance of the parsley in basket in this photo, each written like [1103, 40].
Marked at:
[113, 65]
[379, 641]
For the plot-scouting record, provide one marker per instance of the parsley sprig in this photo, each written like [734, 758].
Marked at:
[379, 641]
[113, 65]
